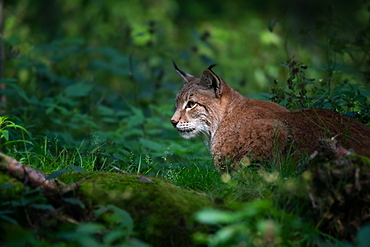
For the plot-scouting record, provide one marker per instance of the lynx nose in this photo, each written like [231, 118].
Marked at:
[174, 122]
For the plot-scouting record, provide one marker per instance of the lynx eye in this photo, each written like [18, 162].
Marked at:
[191, 104]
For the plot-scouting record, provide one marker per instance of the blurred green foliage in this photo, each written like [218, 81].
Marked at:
[91, 70]
[97, 77]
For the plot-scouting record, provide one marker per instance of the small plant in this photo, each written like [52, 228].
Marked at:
[7, 133]
[114, 228]
[302, 92]
[254, 223]
[296, 94]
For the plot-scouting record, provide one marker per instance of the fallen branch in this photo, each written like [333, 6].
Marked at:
[34, 178]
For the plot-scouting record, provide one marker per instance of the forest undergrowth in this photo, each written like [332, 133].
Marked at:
[72, 104]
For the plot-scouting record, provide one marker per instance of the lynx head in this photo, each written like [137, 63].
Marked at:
[198, 104]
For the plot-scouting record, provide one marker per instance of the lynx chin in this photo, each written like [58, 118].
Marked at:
[237, 127]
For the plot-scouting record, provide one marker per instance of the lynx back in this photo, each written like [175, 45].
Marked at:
[237, 127]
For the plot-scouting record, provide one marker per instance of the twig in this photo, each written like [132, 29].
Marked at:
[34, 178]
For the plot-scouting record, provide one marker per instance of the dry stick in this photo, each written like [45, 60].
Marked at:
[34, 178]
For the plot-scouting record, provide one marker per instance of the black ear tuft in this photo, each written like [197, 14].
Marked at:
[177, 69]
[184, 76]
[210, 67]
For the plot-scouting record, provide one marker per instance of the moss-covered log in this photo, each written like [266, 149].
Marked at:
[162, 212]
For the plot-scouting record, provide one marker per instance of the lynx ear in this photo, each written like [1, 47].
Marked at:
[210, 80]
[184, 76]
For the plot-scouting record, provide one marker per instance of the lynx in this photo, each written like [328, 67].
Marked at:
[239, 128]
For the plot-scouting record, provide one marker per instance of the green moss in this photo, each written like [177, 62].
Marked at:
[10, 188]
[162, 212]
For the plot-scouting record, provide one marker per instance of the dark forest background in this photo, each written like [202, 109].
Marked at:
[96, 71]
[90, 86]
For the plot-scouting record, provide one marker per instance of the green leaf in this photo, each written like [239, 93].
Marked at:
[56, 174]
[365, 92]
[113, 236]
[229, 235]
[6, 186]
[361, 98]
[113, 214]
[109, 66]
[272, 24]
[74, 201]
[214, 216]
[5, 134]
[151, 145]
[43, 206]
[109, 120]
[89, 228]
[105, 111]
[363, 237]
[118, 157]
[19, 91]
[79, 89]
[9, 219]
[77, 169]
[6, 212]
[256, 207]
[12, 125]
[136, 117]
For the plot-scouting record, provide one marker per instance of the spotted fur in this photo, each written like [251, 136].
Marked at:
[237, 127]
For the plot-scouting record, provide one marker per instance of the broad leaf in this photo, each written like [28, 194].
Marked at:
[78, 90]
